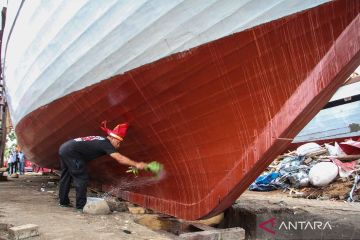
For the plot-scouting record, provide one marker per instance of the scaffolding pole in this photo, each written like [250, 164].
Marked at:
[3, 104]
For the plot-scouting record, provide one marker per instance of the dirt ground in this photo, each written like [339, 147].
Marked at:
[30, 199]
[22, 201]
[317, 205]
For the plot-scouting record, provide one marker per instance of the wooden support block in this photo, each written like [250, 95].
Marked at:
[136, 210]
[317, 153]
[202, 227]
[215, 220]
[3, 178]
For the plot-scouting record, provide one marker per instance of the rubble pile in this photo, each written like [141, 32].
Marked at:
[326, 172]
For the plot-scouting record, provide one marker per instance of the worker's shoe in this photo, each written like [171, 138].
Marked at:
[79, 210]
[65, 205]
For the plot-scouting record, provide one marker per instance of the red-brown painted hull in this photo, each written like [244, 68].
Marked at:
[215, 115]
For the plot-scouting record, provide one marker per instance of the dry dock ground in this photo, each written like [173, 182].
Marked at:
[23, 202]
[30, 200]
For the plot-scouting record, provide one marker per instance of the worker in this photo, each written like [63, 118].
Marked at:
[75, 153]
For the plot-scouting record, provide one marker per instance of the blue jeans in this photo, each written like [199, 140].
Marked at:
[21, 167]
[10, 166]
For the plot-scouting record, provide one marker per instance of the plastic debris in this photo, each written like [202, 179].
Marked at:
[321, 174]
[334, 150]
[350, 147]
[356, 180]
[328, 168]
[345, 168]
[308, 148]
[265, 182]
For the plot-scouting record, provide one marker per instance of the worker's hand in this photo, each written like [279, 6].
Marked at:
[141, 165]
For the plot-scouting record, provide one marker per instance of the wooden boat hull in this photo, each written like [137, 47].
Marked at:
[215, 115]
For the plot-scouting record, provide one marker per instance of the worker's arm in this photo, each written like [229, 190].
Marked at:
[126, 161]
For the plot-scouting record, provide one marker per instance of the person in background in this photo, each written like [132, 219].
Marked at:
[10, 164]
[76, 153]
[13, 159]
[17, 162]
[21, 162]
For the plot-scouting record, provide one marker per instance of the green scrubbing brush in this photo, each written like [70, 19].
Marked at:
[154, 167]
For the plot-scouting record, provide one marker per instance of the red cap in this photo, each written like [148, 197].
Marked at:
[118, 132]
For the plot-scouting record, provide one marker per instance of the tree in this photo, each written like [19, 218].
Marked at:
[11, 143]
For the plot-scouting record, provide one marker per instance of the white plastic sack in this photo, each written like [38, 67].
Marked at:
[307, 148]
[334, 150]
[304, 182]
[321, 174]
[96, 206]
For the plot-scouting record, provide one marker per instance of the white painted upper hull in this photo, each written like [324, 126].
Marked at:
[53, 48]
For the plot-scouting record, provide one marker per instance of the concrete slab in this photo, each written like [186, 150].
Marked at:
[216, 234]
[273, 215]
[23, 231]
[4, 226]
